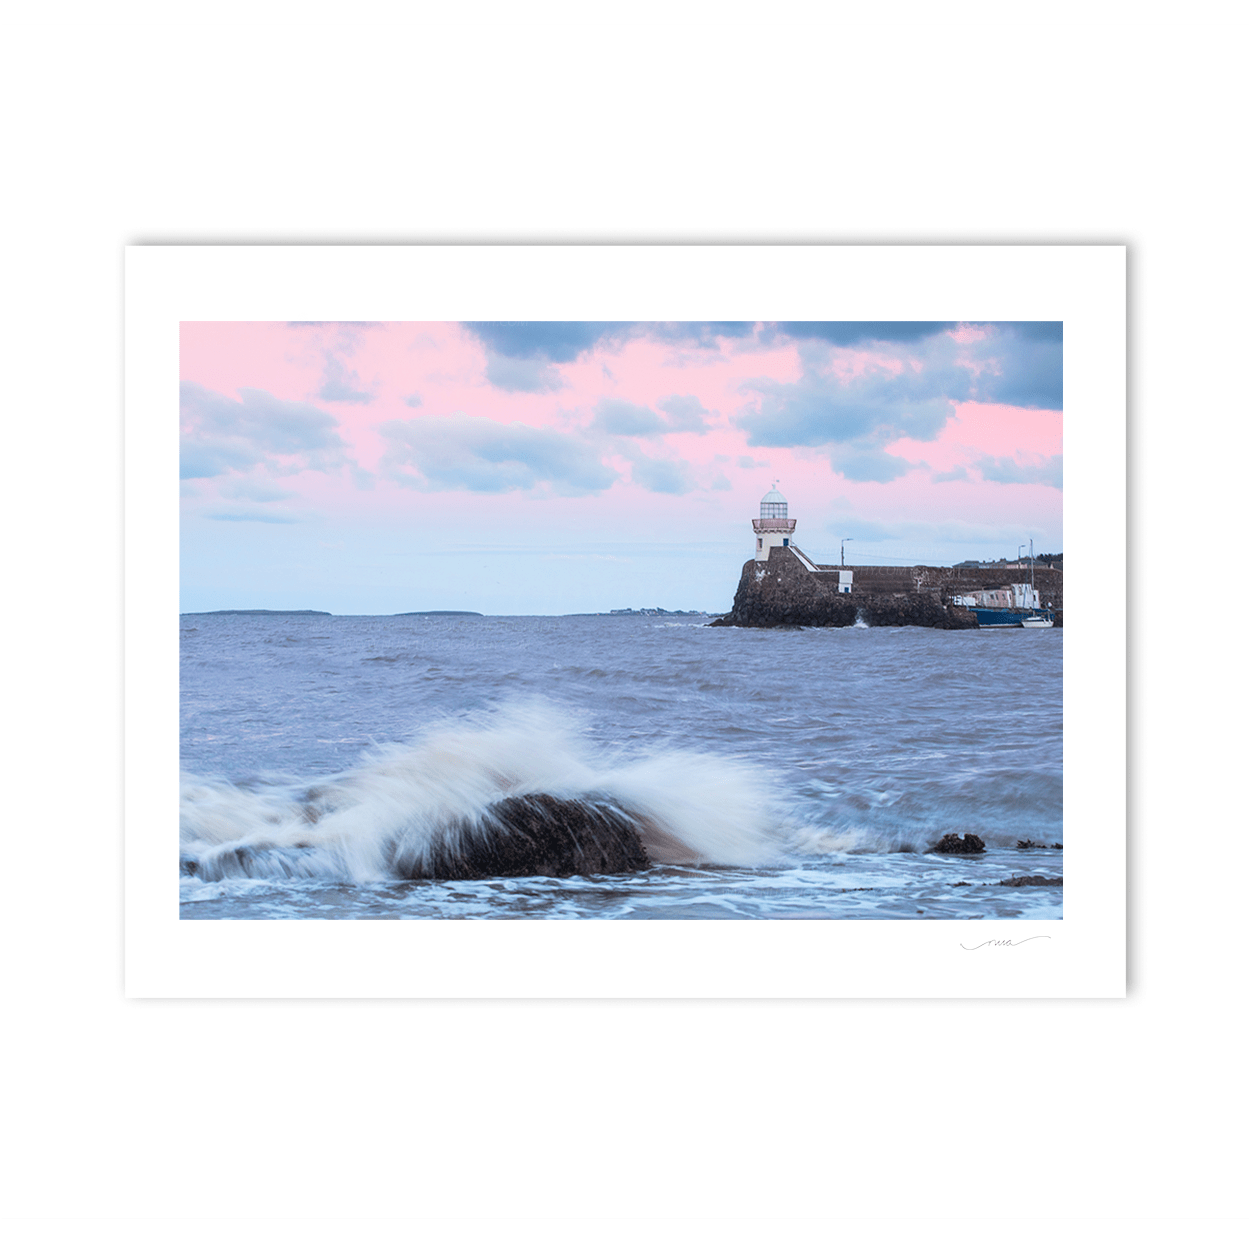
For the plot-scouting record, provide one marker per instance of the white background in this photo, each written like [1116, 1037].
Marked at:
[554, 1124]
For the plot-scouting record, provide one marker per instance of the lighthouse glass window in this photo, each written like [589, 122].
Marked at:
[473, 623]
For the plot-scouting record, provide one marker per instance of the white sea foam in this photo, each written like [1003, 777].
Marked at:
[416, 799]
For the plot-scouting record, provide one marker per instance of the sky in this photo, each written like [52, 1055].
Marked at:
[554, 467]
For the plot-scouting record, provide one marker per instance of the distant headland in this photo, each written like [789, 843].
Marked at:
[653, 612]
[315, 612]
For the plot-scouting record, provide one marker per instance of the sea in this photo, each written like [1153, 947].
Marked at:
[808, 772]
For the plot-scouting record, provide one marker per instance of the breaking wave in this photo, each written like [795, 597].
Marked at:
[456, 799]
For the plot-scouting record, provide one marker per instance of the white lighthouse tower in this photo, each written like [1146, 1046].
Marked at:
[773, 529]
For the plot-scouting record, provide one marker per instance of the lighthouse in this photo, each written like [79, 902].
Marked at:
[773, 529]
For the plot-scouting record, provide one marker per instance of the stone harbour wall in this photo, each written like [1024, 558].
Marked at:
[780, 592]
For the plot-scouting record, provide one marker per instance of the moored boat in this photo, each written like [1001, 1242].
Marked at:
[1009, 606]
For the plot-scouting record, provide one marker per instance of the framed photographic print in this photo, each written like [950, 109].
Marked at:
[772, 597]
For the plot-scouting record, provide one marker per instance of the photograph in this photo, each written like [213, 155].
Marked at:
[512, 470]
[637, 620]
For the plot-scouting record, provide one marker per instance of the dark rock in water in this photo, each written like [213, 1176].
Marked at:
[529, 835]
[1032, 881]
[534, 835]
[951, 844]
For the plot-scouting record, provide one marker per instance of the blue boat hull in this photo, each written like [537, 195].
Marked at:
[988, 618]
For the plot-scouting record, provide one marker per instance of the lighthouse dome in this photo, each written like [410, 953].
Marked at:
[773, 504]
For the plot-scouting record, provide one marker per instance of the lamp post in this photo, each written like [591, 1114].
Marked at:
[844, 542]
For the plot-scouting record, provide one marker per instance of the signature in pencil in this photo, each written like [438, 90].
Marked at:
[1004, 942]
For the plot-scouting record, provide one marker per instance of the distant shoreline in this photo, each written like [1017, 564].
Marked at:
[448, 611]
[441, 612]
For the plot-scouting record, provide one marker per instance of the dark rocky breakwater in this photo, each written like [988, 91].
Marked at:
[781, 591]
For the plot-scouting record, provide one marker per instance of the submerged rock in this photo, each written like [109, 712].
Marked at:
[952, 844]
[1032, 881]
[532, 835]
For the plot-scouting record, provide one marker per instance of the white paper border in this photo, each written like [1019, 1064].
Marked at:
[1082, 955]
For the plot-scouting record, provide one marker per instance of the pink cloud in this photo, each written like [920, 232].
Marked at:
[367, 377]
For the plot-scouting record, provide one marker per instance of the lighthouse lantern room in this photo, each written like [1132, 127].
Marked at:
[773, 529]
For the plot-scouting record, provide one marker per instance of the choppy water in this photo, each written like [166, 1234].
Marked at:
[810, 770]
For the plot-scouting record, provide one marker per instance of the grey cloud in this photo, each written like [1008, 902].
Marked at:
[220, 433]
[682, 414]
[819, 409]
[959, 474]
[1017, 363]
[1005, 469]
[341, 385]
[558, 341]
[1027, 368]
[257, 492]
[696, 333]
[211, 458]
[532, 376]
[472, 453]
[664, 477]
[685, 413]
[1035, 331]
[617, 416]
[851, 333]
[413, 400]
[869, 466]
[1027, 355]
